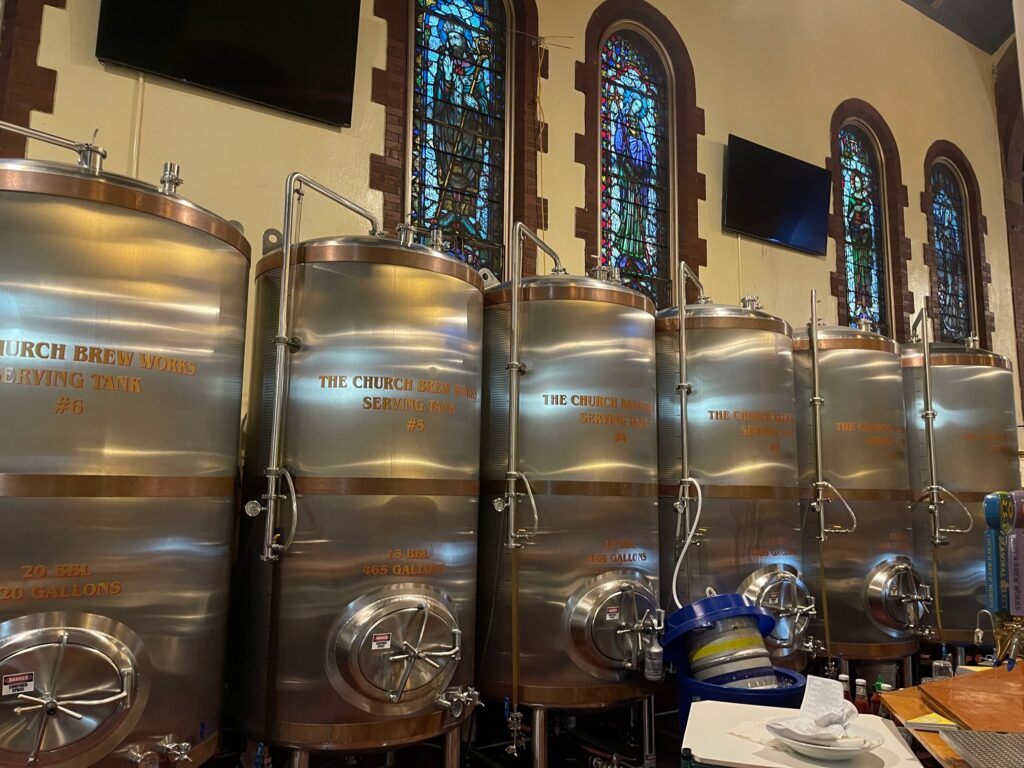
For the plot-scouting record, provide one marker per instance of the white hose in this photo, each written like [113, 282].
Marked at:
[689, 535]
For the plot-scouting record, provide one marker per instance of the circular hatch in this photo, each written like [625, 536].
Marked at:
[70, 694]
[896, 597]
[603, 621]
[779, 589]
[394, 654]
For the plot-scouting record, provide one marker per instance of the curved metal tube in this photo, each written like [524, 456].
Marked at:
[285, 343]
[90, 156]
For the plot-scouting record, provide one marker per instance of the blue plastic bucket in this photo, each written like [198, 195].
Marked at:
[790, 693]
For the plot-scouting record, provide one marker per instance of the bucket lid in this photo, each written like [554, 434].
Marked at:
[703, 613]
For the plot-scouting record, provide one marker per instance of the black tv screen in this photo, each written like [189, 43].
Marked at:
[298, 56]
[775, 197]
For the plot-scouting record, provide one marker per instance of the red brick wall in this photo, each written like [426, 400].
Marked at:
[24, 86]
[896, 199]
[689, 120]
[388, 171]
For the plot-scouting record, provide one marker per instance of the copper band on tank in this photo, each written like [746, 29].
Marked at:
[965, 496]
[109, 193]
[736, 491]
[965, 636]
[396, 256]
[338, 736]
[579, 488]
[958, 358]
[384, 486]
[572, 293]
[571, 698]
[876, 345]
[86, 486]
[205, 749]
[664, 324]
[876, 650]
[865, 494]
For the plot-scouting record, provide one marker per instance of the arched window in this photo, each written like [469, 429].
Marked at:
[952, 272]
[867, 283]
[458, 126]
[636, 164]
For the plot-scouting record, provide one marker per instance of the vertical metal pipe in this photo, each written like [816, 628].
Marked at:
[283, 341]
[452, 748]
[819, 467]
[649, 736]
[684, 393]
[298, 758]
[540, 738]
[816, 403]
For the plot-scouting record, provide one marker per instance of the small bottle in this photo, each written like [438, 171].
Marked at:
[876, 696]
[860, 700]
[654, 661]
[845, 681]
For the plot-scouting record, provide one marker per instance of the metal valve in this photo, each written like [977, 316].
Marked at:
[177, 752]
[171, 179]
[459, 701]
[514, 721]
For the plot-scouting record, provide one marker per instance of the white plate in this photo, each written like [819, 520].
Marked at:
[834, 754]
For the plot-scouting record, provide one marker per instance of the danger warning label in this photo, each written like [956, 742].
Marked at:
[612, 614]
[23, 682]
[381, 641]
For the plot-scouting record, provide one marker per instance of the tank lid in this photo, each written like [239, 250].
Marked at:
[944, 353]
[75, 182]
[841, 337]
[721, 316]
[373, 250]
[570, 288]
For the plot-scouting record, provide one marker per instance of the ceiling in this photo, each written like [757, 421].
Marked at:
[986, 23]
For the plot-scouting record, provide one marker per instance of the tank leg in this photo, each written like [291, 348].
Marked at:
[650, 747]
[453, 748]
[390, 759]
[298, 758]
[540, 738]
[908, 671]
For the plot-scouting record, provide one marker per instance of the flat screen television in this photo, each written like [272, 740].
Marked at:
[298, 56]
[775, 197]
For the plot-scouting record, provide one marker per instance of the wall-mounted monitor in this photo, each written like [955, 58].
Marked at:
[775, 197]
[297, 56]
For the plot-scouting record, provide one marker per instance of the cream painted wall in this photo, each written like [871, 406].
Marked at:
[769, 71]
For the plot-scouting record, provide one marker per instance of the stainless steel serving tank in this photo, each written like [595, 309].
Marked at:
[975, 453]
[742, 449]
[123, 312]
[362, 635]
[874, 595]
[587, 446]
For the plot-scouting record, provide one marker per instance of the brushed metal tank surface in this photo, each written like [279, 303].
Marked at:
[976, 453]
[588, 445]
[382, 437]
[864, 455]
[120, 386]
[742, 446]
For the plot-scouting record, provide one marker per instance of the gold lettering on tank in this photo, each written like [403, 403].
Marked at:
[878, 434]
[604, 411]
[74, 355]
[773, 426]
[61, 581]
[418, 397]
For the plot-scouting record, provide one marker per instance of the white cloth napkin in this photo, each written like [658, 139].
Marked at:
[827, 728]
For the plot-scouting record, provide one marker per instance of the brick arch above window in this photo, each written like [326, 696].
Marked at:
[975, 231]
[895, 199]
[389, 172]
[688, 122]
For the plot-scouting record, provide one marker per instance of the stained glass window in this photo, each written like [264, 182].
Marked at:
[948, 233]
[458, 148]
[863, 239]
[635, 164]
